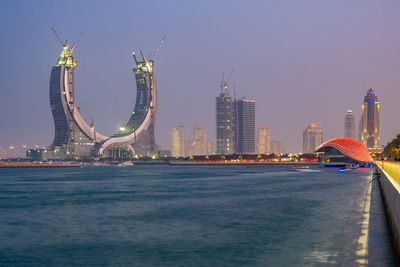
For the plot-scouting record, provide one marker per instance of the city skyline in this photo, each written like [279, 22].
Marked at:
[342, 55]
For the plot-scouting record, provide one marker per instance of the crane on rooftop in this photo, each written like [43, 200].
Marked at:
[63, 43]
[160, 44]
[225, 83]
[72, 51]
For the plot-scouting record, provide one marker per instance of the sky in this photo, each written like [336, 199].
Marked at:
[302, 61]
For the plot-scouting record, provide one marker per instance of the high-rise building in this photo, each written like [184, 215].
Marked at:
[263, 140]
[349, 125]
[188, 148]
[210, 147]
[146, 96]
[200, 145]
[360, 129]
[177, 145]
[277, 147]
[370, 120]
[245, 126]
[75, 138]
[312, 137]
[225, 124]
[199, 141]
[3, 153]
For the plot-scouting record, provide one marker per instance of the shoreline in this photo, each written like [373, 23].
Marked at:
[247, 163]
[19, 165]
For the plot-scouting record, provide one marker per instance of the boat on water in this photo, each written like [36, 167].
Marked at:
[352, 166]
[299, 169]
[98, 164]
[349, 167]
[126, 163]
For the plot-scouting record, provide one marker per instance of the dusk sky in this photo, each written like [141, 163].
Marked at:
[302, 61]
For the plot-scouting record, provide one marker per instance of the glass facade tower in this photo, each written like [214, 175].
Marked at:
[74, 138]
[349, 125]
[246, 126]
[312, 137]
[263, 140]
[177, 145]
[370, 120]
[225, 119]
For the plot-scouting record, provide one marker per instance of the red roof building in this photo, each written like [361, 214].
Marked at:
[340, 151]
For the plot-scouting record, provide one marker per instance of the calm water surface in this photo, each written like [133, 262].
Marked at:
[189, 216]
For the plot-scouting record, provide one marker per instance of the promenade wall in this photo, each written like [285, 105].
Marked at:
[389, 181]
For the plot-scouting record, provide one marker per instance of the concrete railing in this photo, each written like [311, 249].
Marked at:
[392, 169]
[389, 181]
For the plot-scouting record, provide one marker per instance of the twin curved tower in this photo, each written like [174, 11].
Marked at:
[75, 138]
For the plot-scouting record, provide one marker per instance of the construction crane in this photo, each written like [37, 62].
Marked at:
[63, 43]
[123, 121]
[72, 51]
[221, 84]
[91, 122]
[224, 84]
[160, 44]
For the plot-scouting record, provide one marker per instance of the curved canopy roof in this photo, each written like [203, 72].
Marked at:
[350, 147]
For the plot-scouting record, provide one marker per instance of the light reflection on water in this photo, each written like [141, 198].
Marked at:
[179, 216]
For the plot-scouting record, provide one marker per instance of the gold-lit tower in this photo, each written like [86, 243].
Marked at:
[370, 120]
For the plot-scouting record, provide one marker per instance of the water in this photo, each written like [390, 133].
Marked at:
[190, 216]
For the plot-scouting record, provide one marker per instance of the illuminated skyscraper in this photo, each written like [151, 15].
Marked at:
[200, 145]
[277, 147]
[360, 129]
[349, 125]
[199, 141]
[312, 137]
[370, 120]
[246, 126]
[177, 145]
[210, 147]
[225, 124]
[263, 140]
[74, 138]
[3, 153]
[197, 146]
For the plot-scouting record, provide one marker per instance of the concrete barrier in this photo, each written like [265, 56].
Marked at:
[389, 181]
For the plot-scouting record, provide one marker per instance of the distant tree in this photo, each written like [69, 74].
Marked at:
[392, 149]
